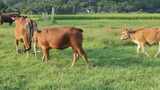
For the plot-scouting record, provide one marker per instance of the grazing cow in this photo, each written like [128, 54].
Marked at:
[60, 38]
[7, 18]
[24, 31]
[142, 37]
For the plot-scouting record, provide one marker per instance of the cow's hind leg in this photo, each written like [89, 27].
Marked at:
[75, 58]
[143, 50]
[158, 52]
[82, 53]
[84, 56]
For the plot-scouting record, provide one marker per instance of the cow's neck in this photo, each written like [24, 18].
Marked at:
[132, 36]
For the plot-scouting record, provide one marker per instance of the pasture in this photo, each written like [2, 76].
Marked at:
[118, 67]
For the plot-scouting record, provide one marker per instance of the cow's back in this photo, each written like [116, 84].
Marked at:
[148, 35]
[61, 37]
[59, 32]
[151, 35]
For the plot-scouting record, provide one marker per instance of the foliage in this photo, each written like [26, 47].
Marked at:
[2, 5]
[82, 6]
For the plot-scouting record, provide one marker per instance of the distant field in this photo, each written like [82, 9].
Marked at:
[117, 65]
[105, 16]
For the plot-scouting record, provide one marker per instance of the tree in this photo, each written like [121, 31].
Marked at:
[2, 6]
[74, 6]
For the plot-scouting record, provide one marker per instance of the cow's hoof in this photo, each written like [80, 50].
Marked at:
[25, 50]
[93, 65]
[19, 51]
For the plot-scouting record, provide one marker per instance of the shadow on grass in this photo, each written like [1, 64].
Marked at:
[120, 57]
[103, 57]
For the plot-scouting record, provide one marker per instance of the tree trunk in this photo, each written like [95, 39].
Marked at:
[74, 10]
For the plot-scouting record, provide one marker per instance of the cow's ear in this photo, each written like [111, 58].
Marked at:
[124, 27]
[130, 30]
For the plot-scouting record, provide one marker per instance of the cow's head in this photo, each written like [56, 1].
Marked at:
[125, 34]
[13, 17]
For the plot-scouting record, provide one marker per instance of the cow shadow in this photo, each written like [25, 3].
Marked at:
[104, 57]
[120, 57]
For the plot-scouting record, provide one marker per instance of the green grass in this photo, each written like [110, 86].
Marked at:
[117, 65]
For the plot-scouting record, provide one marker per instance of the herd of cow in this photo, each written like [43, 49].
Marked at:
[27, 31]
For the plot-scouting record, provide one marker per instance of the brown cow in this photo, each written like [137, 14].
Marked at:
[60, 38]
[142, 37]
[24, 31]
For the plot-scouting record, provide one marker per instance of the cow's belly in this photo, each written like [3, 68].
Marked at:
[58, 45]
[151, 42]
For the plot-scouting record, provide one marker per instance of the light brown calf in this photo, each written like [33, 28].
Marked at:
[24, 31]
[142, 37]
[60, 38]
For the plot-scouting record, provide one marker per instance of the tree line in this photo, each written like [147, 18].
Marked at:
[79, 6]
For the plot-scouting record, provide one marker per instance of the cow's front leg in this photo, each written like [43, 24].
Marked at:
[1, 22]
[158, 52]
[143, 50]
[26, 43]
[35, 48]
[138, 48]
[17, 49]
[45, 54]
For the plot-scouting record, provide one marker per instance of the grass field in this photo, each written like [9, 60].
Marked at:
[117, 65]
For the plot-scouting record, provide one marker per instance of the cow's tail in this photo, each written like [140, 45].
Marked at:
[79, 29]
[35, 47]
